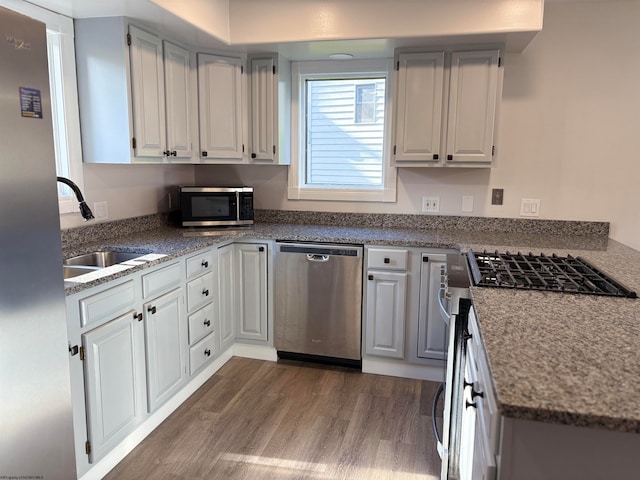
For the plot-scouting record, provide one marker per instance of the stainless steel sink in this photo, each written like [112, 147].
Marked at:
[101, 259]
[71, 271]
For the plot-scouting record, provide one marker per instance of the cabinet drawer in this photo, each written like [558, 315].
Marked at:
[108, 304]
[201, 323]
[202, 353]
[388, 259]
[199, 291]
[161, 281]
[199, 264]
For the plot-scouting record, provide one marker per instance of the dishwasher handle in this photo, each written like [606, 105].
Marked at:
[312, 257]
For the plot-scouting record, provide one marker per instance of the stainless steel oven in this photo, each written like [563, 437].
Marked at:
[216, 206]
[455, 303]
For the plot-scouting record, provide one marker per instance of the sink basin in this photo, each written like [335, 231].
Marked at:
[101, 259]
[71, 271]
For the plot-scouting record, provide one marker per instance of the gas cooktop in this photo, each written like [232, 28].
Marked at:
[542, 272]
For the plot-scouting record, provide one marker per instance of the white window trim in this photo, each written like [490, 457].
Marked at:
[70, 131]
[297, 188]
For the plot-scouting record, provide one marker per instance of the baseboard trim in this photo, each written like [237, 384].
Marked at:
[405, 370]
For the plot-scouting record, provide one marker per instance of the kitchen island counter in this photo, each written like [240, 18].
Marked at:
[554, 357]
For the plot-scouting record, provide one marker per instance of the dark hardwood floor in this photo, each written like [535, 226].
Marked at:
[282, 421]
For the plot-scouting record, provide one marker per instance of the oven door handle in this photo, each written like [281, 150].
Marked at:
[443, 309]
[434, 411]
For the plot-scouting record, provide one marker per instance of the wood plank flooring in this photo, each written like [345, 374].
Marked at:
[258, 420]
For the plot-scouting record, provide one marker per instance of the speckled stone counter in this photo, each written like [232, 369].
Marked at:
[560, 358]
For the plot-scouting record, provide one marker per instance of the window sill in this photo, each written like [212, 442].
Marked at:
[344, 195]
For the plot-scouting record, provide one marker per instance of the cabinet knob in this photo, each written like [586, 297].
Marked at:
[468, 404]
[261, 249]
[152, 310]
[207, 323]
[204, 153]
[207, 353]
[436, 156]
[475, 394]
[138, 316]
[387, 260]
[449, 157]
[205, 292]
[370, 277]
[166, 153]
[205, 264]
[174, 153]
[253, 155]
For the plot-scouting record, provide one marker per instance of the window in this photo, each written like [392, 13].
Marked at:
[340, 131]
[64, 101]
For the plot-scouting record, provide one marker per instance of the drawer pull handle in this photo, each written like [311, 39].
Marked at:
[152, 310]
[475, 394]
[207, 353]
[387, 260]
[205, 264]
[207, 323]
[205, 292]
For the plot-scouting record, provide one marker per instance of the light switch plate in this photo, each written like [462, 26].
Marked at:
[467, 204]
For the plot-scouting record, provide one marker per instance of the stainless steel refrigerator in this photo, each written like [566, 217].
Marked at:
[36, 430]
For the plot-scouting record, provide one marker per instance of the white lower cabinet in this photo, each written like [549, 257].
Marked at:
[114, 379]
[242, 279]
[251, 320]
[202, 301]
[165, 336]
[432, 331]
[226, 292]
[402, 319]
[386, 306]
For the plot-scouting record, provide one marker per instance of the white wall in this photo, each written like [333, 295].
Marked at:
[129, 190]
[569, 123]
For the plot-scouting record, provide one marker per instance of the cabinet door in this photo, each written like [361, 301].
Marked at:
[419, 95]
[166, 341]
[432, 331]
[177, 86]
[220, 106]
[226, 289]
[252, 290]
[147, 90]
[114, 382]
[472, 106]
[386, 307]
[263, 113]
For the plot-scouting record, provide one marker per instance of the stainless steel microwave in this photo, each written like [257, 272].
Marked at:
[216, 206]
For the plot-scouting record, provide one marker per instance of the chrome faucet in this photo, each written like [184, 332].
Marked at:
[85, 211]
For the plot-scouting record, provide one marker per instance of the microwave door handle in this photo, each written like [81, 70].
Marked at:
[237, 205]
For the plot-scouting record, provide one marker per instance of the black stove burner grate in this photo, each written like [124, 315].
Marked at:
[542, 272]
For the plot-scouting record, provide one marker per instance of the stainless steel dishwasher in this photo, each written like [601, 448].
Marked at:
[318, 302]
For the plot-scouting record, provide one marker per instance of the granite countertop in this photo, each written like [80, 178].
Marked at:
[560, 358]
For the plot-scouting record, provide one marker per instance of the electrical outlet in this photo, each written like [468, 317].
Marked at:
[101, 210]
[497, 196]
[430, 204]
[467, 204]
[530, 207]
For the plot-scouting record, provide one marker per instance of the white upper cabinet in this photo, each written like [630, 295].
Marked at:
[446, 106]
[419, 106]
[134, 91]
[472, 106]
[147, 91]
[177, 89]
[269, 94]
[220, 107]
